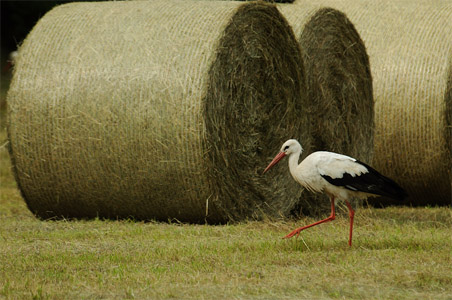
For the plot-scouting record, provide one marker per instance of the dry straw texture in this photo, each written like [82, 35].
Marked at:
[410, 48]
[339, 85]
[156, 110]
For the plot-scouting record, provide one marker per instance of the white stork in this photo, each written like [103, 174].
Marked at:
[339, 176]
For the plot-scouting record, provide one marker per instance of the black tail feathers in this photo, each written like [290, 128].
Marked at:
[384, 186]
[371, 182]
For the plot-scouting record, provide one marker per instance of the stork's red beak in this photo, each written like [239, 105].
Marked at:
[275, 160]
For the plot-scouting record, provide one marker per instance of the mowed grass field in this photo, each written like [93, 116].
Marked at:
[398, 253]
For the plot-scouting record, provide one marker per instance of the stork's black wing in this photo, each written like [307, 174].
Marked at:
[371, 182]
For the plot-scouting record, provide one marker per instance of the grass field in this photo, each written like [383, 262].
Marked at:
[398, 253]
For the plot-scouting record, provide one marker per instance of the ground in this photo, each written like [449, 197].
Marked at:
[398, 253]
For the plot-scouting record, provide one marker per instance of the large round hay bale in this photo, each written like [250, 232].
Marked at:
[156, 110]
[410, 48]
[339, 85]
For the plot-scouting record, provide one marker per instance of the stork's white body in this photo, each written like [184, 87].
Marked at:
[309, 173]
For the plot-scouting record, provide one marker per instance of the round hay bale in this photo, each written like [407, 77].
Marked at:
[339, 85]
[410, 48]
[156, 110]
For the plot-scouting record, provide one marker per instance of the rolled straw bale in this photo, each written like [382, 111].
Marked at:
[339, 85]
[339, 82]
[410, 47]
[156, 110]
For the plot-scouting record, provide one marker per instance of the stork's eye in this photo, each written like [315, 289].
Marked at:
[285, 148]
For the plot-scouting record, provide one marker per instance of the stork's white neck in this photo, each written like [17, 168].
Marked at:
[293, 162]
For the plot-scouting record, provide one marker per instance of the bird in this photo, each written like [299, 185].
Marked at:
[339, 176]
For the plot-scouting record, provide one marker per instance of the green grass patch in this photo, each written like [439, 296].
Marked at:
[125, 259]
[398, 253]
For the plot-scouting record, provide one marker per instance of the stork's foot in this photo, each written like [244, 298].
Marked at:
[295, 232]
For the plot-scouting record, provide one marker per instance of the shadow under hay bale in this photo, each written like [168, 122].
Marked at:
[339, 87]
[448, 131]
[410, 48]
[156, 110]
[271, 1]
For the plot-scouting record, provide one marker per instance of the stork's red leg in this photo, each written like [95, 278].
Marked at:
[330, 218]
[351, 214]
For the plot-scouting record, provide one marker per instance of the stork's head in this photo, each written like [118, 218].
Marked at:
[289, 147]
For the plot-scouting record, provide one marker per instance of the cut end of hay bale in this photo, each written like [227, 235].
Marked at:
[339, 88]
[339, 83]
[255, 102]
